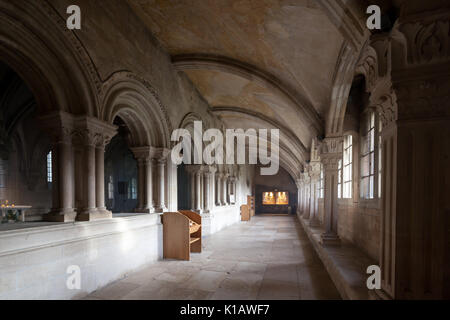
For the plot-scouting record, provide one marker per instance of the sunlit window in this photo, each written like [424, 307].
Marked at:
[340, 179]
[368, 157]
[49, 168]
[111, 188]
[132, 189]
[380, 162]
[321, 183]
[348, 167]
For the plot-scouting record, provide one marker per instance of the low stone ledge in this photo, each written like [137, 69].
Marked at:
[345, 264]
[32, 238]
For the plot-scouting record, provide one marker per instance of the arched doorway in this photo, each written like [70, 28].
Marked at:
[26, 174]
[121, 172]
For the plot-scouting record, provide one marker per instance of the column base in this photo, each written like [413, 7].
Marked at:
[314, 222]
[160, 209]
[149, 210]
[330, 239]
[60, 216]
[199, 211]
[94, 214]
[305, 216]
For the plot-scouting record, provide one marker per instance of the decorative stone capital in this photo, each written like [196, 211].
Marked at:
[331, 152]
[159, 154]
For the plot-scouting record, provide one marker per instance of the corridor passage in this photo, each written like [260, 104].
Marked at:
[268, 258]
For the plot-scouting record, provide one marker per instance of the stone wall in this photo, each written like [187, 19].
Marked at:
[34, 261]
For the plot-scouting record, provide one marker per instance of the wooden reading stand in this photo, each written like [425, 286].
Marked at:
[245, 213]
[182, 234]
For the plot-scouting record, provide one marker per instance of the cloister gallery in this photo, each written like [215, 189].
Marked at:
[87, 181]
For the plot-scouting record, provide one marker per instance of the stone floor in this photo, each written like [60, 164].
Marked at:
[268, 258]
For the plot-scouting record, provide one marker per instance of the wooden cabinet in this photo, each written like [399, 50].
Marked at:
[182, 234]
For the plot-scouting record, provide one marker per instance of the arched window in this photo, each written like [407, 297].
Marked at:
[321, 183]
[370, 156]
[345, 170]
[49, 168]
[111, 188]
[132, 189]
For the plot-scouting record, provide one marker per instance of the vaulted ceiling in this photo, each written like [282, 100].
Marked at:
[257, 62]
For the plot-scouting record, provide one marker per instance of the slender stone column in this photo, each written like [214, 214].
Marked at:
[100, 178]
[148, 199]
[331, 153]
[307, 202]
[145, 178]
[224, 190]
[193, 187]
[160, 159]
[60, 128]
[207, 191]
[64, 202]
[198, 191]
[219, 189]
[141, 184]
[315, 175]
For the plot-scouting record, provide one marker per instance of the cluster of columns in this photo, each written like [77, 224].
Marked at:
[152, 164]
[78, 167]
[329, 152]
[210, 188]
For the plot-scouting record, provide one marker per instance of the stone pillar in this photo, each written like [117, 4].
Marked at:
[63, 210]
[143, 156]
[307, 198]
[299, 184]
[148, 200]
[198, 191]
[224, 190]
[141, 184]
[160, 158]
[414, 106]
[208, 188]
[60, 127]
[219, 189]
[100, 179]
[193, 187]
[331, 153]
[314, 209]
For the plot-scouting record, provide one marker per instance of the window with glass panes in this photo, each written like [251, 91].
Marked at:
[368, 157]
[49, 168]
[340, 179]
[347, 167]
[321, 182]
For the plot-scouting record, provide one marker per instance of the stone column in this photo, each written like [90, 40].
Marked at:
[299, 184]
[60, 127]
[208, 188]
[143, 156]
[314, 210]
[224, 190]
[63, 210]
[193, 188]
[307, 198]
[160, 158]
[100, 180]
[219, 189]
[331, 153]
[148, 199]
[141, 184]
[198, 191]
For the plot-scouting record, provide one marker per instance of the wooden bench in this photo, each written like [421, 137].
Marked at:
[182, 234]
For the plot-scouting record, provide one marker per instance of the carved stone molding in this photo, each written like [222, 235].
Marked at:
[423, 99]
[331, 150]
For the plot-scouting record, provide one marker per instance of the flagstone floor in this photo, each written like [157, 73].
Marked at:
[268, 258]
